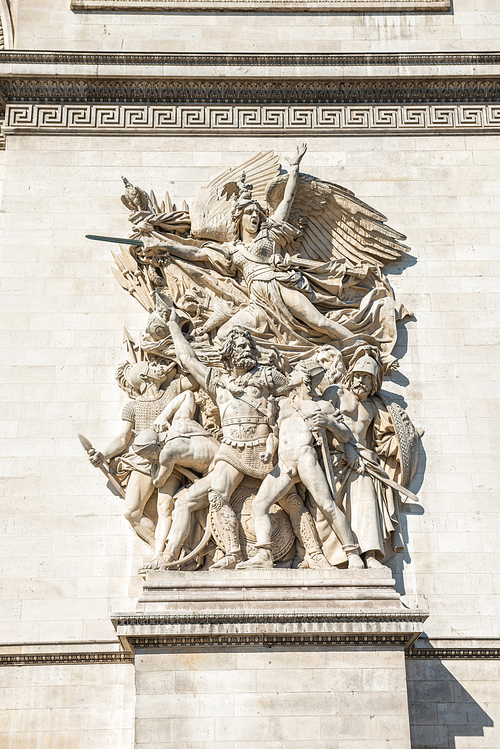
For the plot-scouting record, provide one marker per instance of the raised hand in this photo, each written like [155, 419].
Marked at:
[297, 158]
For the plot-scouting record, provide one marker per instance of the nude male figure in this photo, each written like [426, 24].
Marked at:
[299, 418]
[182, 442]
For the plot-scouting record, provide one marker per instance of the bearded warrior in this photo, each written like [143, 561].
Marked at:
[386, 444]
[243, 396]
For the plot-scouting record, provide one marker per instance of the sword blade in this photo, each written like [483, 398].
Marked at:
[327, 461]
[116, 240]
[389, 482]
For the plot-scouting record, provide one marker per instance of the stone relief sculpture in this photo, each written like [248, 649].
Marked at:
[256, 433]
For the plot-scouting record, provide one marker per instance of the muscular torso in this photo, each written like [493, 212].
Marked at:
[358, 415]
[295, 431]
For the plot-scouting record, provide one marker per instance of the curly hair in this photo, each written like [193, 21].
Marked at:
[227, 350]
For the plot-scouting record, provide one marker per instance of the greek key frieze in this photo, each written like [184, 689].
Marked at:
[199, 118]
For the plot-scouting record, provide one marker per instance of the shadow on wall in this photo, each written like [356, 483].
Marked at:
[440, 708]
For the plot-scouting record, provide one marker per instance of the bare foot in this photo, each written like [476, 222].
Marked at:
[153, 564]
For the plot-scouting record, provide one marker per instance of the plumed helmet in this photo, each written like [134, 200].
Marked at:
[145, 440]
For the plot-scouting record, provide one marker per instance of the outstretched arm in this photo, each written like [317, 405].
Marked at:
[185, 352]
[283, 210]
[184, 251]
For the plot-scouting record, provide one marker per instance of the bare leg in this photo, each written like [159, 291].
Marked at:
[302, 308]
[139, 489]
[312, 476]
[194, 498]
[165, 508]
[169, 459]
[273, 488]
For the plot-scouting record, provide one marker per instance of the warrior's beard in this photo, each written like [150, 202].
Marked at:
[360, 388]
[243, 361]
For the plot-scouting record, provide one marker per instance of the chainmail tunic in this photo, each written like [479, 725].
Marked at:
[142, 413]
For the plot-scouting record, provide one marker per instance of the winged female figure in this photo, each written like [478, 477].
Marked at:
[306, 268]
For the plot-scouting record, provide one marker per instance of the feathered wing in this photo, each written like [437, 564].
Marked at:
[211, 208]
[336, 224]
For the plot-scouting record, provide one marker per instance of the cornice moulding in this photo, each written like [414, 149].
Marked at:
[88, 655]
[244, 60]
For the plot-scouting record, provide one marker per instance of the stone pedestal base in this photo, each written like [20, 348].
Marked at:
[270, 659]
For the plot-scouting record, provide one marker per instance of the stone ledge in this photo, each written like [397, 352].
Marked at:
[39, 57]
[268, 607]
[247, 66]
[88, 653]
[256, 6]
[295, 630]
[418, 653]
[255, 596]
[51, 659]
